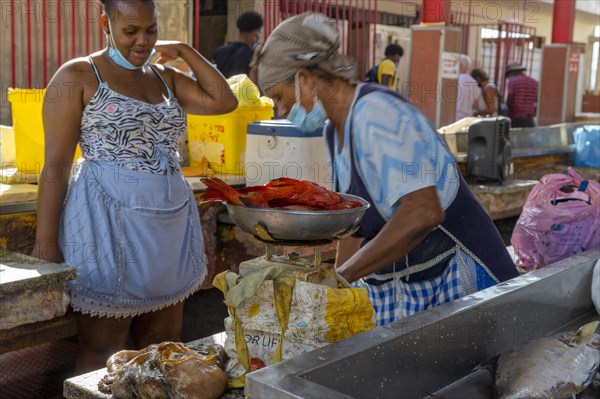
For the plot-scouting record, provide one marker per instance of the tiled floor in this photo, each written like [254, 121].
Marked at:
[38, 372]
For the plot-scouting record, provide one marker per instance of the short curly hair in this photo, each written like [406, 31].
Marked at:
[249, 21]
[394, 49]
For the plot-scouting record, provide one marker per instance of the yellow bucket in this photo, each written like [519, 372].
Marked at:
[26, 108]
[221, 139]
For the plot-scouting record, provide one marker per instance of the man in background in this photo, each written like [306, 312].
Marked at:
[468, 91]
[234, 58]
[386, 70]
[522, 96]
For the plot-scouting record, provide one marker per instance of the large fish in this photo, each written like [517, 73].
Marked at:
[558, 366]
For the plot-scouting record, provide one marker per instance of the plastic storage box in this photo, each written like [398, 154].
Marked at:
[26, 109]
[7, 145]
[277, 148]
[28, 127]
[222, 138]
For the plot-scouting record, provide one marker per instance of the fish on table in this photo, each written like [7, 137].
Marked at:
[557, 366]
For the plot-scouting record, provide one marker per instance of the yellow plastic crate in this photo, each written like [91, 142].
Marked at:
[26, 109]
[222, 138]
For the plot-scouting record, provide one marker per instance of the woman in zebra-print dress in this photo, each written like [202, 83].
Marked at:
[127, 220]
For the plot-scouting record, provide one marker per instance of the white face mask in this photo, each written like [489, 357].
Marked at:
[118, 58]
[307, 122]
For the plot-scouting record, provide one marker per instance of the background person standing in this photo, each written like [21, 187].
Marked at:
[522, 96]
[468, 90]
[385, 72]
[234, 58]
[487, 104]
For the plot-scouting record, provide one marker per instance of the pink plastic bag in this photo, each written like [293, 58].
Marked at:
[561, 218]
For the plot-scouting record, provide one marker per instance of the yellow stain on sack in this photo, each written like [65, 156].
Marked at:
[227, 233]
[283, 288]
[348, 312]
[254, 310]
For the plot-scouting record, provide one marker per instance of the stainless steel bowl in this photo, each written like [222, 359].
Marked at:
[295, 225]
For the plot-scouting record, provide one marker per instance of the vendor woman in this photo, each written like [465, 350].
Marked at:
[425, 240]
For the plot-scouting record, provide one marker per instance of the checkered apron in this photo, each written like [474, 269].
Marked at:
[398, 298]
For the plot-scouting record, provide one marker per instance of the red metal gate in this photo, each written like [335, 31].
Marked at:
[492, 46]
[38, 36]
[355, 19]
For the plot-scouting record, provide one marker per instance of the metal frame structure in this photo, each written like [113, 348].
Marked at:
[496, 44]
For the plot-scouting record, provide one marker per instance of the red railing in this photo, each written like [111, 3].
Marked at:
[34, 61]
[39, 36]
[492, 46]
[355, 19]
[43, 34]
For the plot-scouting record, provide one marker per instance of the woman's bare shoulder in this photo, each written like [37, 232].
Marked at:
[77, 69]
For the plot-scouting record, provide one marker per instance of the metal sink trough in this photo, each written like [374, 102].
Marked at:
[436, 350]
[525, 142]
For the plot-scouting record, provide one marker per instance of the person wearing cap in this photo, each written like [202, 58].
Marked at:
[522, 96]
[425, 240]
[234, 58]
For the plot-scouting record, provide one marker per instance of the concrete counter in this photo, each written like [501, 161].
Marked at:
[85, 386]
[33, 301]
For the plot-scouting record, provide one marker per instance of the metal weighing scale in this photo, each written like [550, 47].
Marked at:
[287, 228]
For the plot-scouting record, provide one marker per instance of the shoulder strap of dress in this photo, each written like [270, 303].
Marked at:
[95, 69]
[163, 80]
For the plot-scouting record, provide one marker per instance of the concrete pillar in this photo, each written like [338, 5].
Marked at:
[560, 65]
[173, 21]
[433, 76]
[558, 84]
[563, 19]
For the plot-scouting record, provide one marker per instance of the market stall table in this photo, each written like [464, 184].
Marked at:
[33, 301]
[85, 386]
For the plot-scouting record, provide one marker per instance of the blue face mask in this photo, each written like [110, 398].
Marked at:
[307, 122]
[118, 58]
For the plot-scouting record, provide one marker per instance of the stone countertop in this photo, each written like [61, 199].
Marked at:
[85, 386]
[503, 201]
[509, 187]
[19, 272]
[16, 193]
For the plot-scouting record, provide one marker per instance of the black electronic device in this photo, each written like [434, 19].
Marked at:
[489, 154]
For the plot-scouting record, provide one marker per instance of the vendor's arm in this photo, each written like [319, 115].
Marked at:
[209, 93]
[346, 248]
[62, 110]
[417, 215]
